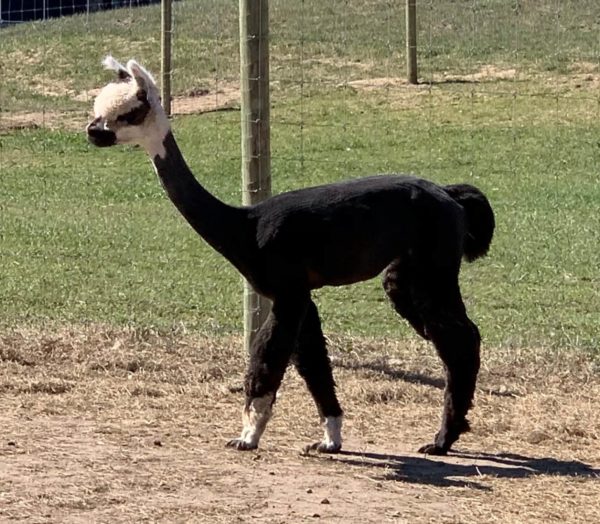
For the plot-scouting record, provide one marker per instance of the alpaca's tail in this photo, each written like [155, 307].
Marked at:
[480, 219]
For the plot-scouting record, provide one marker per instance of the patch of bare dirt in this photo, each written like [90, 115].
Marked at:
[340, 63]
[205, 100]
[202, 100]
[71, 120]
[102, 424]
[399, 93]
[486, 73]
[583, 76]
[370, 84]
[402, 95]
[51, 87]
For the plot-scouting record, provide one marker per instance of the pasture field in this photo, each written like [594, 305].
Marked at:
[120, 350]
[92, 225]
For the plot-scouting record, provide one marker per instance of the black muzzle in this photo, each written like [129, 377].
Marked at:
[99, 136]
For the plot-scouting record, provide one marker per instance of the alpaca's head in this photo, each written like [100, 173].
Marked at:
[128, 110]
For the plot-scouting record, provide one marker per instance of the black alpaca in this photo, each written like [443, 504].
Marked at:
[411, 230]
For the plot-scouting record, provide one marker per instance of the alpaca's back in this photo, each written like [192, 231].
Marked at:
[348, 232]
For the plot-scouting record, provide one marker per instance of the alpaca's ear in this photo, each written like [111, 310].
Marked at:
[110, 63]
[142, 77]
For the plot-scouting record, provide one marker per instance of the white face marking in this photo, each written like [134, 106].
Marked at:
[333, 432]
[255, 419]
[121, 97]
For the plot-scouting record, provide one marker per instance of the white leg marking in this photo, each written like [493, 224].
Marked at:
[255, 419]
[333, 433]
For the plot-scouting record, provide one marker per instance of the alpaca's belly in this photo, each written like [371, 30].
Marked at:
[343, 272]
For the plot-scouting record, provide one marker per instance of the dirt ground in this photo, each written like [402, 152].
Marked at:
[105, 425]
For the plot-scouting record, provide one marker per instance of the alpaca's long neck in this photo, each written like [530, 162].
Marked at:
[224, 227]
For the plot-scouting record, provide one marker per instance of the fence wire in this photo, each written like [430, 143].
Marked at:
[508, 99]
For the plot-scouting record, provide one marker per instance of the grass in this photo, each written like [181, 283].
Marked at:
[312, 43]
[88, 235]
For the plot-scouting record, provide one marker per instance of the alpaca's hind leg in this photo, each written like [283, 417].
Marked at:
[314, 367]
[457, 342]
[269, 357]
[396, 283]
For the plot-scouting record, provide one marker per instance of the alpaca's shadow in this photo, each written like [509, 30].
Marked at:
[450, 472]
[412, 377]
[380, 366]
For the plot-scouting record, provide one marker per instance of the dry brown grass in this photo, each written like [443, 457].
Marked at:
[101, 424]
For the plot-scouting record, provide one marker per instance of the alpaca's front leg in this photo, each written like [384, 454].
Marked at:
[255, 416]
[269, 357]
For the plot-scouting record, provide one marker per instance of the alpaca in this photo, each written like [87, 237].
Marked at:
[413, 231]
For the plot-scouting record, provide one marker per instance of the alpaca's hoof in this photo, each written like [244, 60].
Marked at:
[241, 445]
[323, 447]
[433, 449]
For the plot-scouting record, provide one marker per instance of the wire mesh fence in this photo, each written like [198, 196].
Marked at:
[508, 98]
[15, 11]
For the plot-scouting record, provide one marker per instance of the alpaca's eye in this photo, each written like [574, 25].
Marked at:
[134, 117]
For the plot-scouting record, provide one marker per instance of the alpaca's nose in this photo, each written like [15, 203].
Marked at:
[99, 135]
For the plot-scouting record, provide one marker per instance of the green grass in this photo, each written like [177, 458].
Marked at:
[312, 42]
[87, 235]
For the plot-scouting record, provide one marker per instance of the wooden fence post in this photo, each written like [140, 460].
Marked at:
[165, 54]
[411, 41]
[256, 149]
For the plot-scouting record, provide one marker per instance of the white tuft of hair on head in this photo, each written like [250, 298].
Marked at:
[110, 63]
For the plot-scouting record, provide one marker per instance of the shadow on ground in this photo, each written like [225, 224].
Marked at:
[411, 377]
[462, 469]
